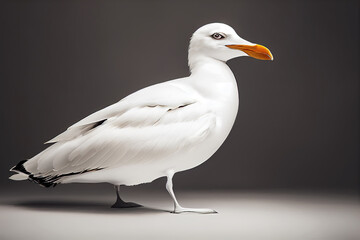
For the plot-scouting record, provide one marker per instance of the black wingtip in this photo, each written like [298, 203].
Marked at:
[45, 181]
[42, 181]
[20, 168]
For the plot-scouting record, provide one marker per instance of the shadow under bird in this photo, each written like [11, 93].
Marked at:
[157, 131]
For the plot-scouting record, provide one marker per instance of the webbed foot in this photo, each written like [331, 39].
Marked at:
[121, 204]
[179, 209]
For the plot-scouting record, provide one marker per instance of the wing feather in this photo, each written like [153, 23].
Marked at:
[164, 94]
[134, 129]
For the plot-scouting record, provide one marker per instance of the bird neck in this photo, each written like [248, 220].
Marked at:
[211, 68]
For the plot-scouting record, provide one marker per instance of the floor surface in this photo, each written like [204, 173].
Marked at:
[61, 214]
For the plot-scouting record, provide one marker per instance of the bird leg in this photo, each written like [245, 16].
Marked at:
[120, 203]
[177, 207]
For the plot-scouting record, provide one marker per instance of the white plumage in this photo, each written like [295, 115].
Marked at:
[156, 131]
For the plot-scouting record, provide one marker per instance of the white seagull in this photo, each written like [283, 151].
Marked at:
[157, 131]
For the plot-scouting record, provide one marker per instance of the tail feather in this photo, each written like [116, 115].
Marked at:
[43, 180]
[19, 177]
[23, 174]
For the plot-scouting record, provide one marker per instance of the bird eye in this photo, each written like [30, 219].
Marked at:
[218, 36]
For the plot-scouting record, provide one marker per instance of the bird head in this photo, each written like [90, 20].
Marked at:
[220, 41]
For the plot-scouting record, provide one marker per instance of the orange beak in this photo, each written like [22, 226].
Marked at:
[255, 51]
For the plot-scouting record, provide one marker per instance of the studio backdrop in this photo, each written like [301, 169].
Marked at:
[298, 121]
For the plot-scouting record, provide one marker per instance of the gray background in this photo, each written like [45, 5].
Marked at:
[298, 122]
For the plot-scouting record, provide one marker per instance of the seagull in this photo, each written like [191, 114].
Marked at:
[155, 132]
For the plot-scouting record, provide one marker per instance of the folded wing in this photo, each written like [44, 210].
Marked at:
[149, 124]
